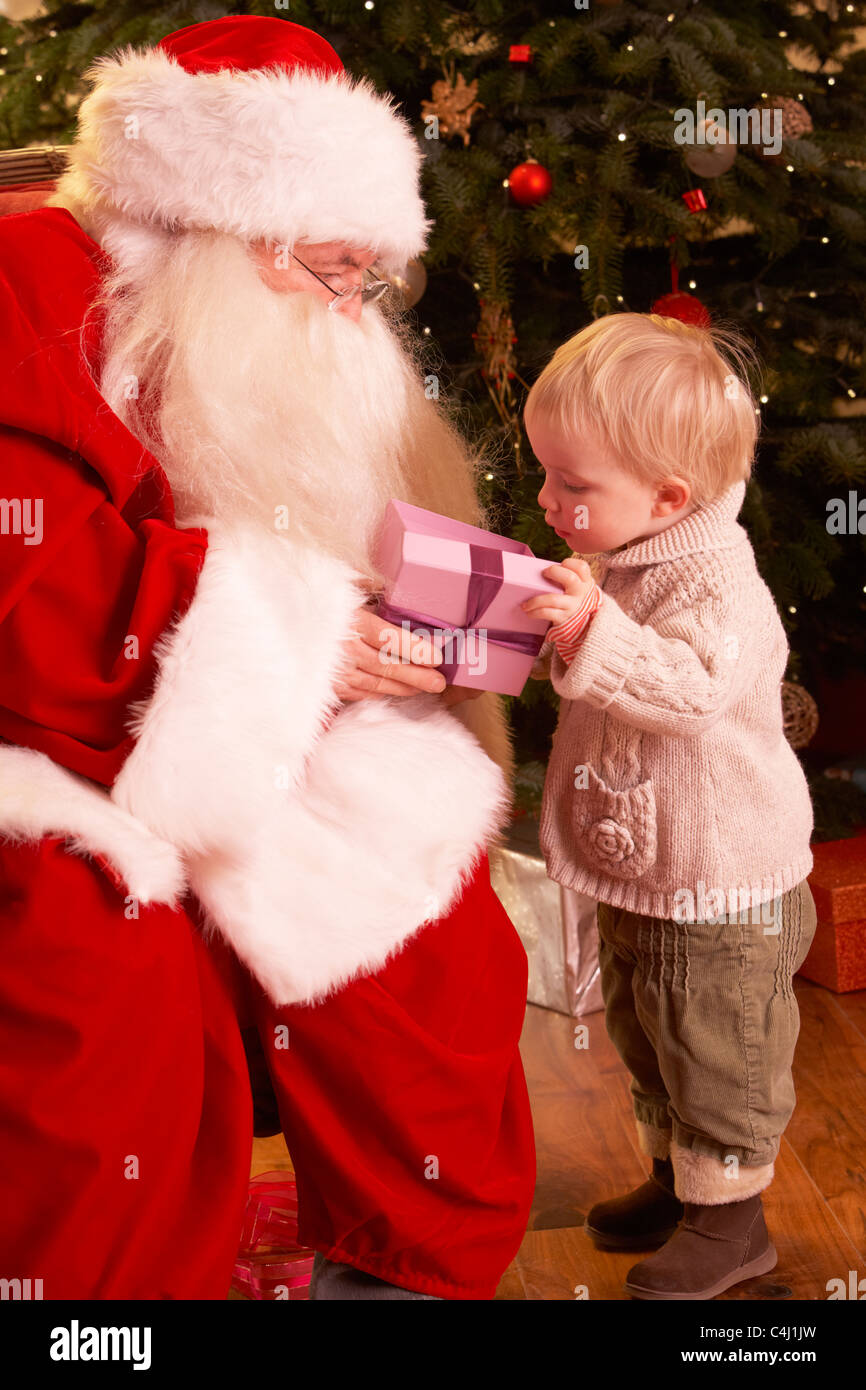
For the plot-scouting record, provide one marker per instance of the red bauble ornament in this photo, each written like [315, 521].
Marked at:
[683, 307]
[529, 183]
[520, 53]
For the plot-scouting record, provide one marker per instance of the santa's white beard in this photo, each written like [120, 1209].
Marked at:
[268, 405]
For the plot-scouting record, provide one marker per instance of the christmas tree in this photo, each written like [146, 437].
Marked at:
[576, 165]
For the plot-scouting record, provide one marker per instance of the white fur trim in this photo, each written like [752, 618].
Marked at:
[710, 1182]
[38, 799]
[316, 853]
[398, 804]
[655, 1143]
[256, 154]
[245, 682]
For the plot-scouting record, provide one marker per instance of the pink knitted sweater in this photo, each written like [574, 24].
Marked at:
[672, 790]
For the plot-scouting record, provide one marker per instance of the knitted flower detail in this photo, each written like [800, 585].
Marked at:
[610, 840]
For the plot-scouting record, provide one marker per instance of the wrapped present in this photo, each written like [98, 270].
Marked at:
[270, 1263]
[837, 956]
[838, 879]
[557, 925]
[270, 1275]
[463, 586]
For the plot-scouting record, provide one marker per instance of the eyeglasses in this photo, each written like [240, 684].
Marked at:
[369, 293]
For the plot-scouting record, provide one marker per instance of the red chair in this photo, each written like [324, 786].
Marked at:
[29, 177]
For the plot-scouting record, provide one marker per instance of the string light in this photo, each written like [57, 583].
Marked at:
[693, 284]
[489, 477]
[792, 609]
[852, 393]
[39, 77]
[783, 34]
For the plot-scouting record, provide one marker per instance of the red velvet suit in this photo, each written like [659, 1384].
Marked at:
[124, 1093]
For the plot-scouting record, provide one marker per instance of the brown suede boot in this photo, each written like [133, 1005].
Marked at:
[643, 1218]
[713, 1249]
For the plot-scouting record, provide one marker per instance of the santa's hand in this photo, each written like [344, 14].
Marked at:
[577, 582]
[381, 659]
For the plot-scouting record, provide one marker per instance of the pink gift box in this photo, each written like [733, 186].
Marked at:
[429, 560]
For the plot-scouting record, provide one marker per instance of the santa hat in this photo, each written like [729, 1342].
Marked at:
[250, 126]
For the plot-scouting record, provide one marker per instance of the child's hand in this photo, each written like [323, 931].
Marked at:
[576, 579]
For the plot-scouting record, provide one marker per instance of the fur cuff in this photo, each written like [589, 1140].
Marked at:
[38, 799]
[656, 1143]
[396, 809]
[710, 1182]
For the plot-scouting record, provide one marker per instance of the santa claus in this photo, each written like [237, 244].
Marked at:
[229, 817]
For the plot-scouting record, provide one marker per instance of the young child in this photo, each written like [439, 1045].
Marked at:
[672, 795]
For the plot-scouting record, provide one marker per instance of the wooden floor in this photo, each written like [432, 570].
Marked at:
[587, 1150]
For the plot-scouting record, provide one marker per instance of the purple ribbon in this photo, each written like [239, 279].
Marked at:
[485, 581]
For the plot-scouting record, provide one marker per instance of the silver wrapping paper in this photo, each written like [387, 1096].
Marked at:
[556, 925]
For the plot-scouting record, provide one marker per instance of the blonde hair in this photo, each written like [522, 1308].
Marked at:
[665, 397]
